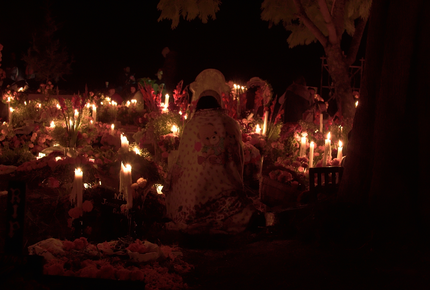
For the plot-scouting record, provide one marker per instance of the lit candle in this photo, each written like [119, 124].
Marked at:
[175, 130]
[10, 115]
[327, 149]
[77, 191]
[94, 113]
[52, 125]
[303, 142]
[266, 117]
[339, 150]
[166, 100]
[311, 154]
[76, 113]
[257, 129]
[159, 188]
[321, 123]
[356, 104]
[124, 142]
[125, 184]
[112, 129]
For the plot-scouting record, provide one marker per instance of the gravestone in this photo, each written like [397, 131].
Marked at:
[209, 79]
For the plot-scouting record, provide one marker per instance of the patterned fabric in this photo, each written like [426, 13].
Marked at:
[206, 183]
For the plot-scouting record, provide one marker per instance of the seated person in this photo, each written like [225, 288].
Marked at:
[114, 95]
[135, 94]
[206, 191]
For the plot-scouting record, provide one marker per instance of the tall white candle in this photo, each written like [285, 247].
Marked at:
[266, 117]
[327, 148]
[124, 142]
[94, 114]
[10, 115]
[311, 154]
[303, 143]
[126, 184]
[78, 187]
[321, 122]
[339, 150]
[166, 100]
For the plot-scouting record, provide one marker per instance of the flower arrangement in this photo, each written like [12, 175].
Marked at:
[159, 267]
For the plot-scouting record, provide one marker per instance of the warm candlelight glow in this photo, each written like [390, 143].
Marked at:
[108, 99]
[137, 150]
[303, 143]
[339, 151]
[266, 117]
[134, 101]
[112, 127]
[114, 103]
[159, 188]
[175, 129]
[180, 113]
[311, 154]
[52, 125]
[76, 113]
[124, 142]
[11, 109]
[356, 104]
[39, 105]
[41, 155]
[77, 187]
[257, 129]
[328, 136]
[127, 104]
[57, 158]
[166, 100]
[186, 116]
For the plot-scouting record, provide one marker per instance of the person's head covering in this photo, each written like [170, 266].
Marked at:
[207, 102]
[210, 93]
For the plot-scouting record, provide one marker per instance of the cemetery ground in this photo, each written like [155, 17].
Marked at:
[326, 247]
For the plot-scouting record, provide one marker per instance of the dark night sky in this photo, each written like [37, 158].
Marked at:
[106, 37]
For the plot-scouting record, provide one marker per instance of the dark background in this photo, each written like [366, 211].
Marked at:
[103, 38]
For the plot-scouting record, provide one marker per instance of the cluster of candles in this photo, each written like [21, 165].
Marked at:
[263, 131]
[238, 90]
[327, 150]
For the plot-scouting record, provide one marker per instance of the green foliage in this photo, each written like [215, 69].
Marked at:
[285, 13]
[188, 9]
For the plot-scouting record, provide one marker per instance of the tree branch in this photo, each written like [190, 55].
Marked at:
[338, 14]
[356, 40]
[309, 24]
[332, 35]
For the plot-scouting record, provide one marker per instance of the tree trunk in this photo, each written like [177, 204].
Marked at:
[339, 72]
[387, 163]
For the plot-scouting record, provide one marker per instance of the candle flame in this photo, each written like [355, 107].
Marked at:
[356, 104]
[11, 109]
[78, 171]
[175, 129]
[159, 188]
[133, 101]
[58, 107]
[76, 113]
[328, 135]
[112, 127]
[312, 144]
[137, 150]
[257, 129]
[128, 103]
[52, 125]
[340, 143]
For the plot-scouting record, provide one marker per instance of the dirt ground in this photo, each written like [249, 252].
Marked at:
[281, 257]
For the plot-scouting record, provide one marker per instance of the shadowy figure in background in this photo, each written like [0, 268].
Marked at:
[297, 100]
[169, 70]
[125, 80]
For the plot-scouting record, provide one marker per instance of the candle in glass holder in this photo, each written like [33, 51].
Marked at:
[339, 151]
[266, 117]
[311, 154]
[124, 142]
[303, 143]
[257, 129]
